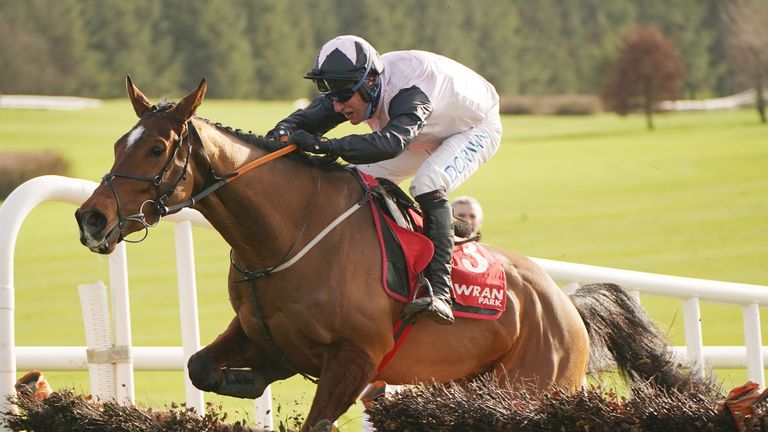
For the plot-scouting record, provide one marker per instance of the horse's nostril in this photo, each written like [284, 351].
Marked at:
[94, 220]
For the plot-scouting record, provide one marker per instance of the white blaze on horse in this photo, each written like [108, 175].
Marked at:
[325, 314]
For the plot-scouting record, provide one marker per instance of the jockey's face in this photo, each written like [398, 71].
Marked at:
[467, 212]
[353, 108]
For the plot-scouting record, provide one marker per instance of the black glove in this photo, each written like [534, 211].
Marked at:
[310, 143]
[278, 136]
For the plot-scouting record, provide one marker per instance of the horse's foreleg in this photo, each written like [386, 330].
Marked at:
[344, 373]
[232, 366]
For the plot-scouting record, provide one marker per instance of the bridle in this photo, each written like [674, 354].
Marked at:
[213, 181]
[157, 180]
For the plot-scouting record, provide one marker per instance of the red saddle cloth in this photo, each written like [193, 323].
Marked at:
[479, 282]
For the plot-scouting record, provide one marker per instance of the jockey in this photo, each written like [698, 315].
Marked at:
[431, 118]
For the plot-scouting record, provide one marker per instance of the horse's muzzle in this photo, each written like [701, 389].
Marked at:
[92, 224]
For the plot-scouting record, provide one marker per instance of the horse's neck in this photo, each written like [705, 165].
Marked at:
[225, 152]
[262, 213]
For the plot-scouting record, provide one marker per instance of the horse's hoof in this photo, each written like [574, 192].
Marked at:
[243, 383]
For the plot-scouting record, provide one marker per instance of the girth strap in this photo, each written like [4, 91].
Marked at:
[251, 276]
[267, 335]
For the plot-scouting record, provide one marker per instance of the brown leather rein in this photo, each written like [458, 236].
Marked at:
[223, 180]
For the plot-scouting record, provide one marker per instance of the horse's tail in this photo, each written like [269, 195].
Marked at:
[619, 330]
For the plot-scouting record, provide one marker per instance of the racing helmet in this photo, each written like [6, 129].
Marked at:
[343, 66]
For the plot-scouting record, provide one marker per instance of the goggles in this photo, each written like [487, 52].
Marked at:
[340, 97]
[337, 90]
[340, 90]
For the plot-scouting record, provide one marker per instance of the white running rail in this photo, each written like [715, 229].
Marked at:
[75, 191]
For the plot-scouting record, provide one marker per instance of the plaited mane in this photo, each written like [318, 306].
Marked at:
[259, 141]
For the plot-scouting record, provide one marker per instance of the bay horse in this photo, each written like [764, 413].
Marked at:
[321, 311]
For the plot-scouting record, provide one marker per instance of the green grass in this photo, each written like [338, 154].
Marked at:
[688, 199]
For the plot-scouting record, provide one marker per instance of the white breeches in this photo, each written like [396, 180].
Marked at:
[446, 167]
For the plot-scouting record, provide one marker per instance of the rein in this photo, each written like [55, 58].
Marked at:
[162, 197]
[251, 277]
[218, 182]
[158, 202]
[221, 181]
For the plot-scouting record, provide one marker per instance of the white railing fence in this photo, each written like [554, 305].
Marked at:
[75, 191]
[750, 297]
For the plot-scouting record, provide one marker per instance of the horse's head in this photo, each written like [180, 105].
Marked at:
[150, 170]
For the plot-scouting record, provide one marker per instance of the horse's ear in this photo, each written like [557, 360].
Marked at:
[186, 107]
[140, 102]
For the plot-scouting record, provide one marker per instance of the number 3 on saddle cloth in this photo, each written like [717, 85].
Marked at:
[478, 278]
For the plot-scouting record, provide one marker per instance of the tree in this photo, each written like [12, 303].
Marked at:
[541, 57]
[492, 25]
[686, 25]
[281, 53]
[128, 38]
[260, 48]
[720, 72]
[211, 41]
[372, 20]
[747, 42]
[647, 71]
[16, 44]
[588, 26]
[42, 47]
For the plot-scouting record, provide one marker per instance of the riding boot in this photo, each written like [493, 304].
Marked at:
[438, 219]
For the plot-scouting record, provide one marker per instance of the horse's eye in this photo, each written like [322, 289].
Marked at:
[157, 150]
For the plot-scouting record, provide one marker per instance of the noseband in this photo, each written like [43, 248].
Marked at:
[161, 197]
[213, 181]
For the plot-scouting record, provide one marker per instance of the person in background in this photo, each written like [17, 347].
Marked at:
[467, 208]
[432, 119]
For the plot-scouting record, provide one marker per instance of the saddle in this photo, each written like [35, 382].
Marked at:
[478, 277]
